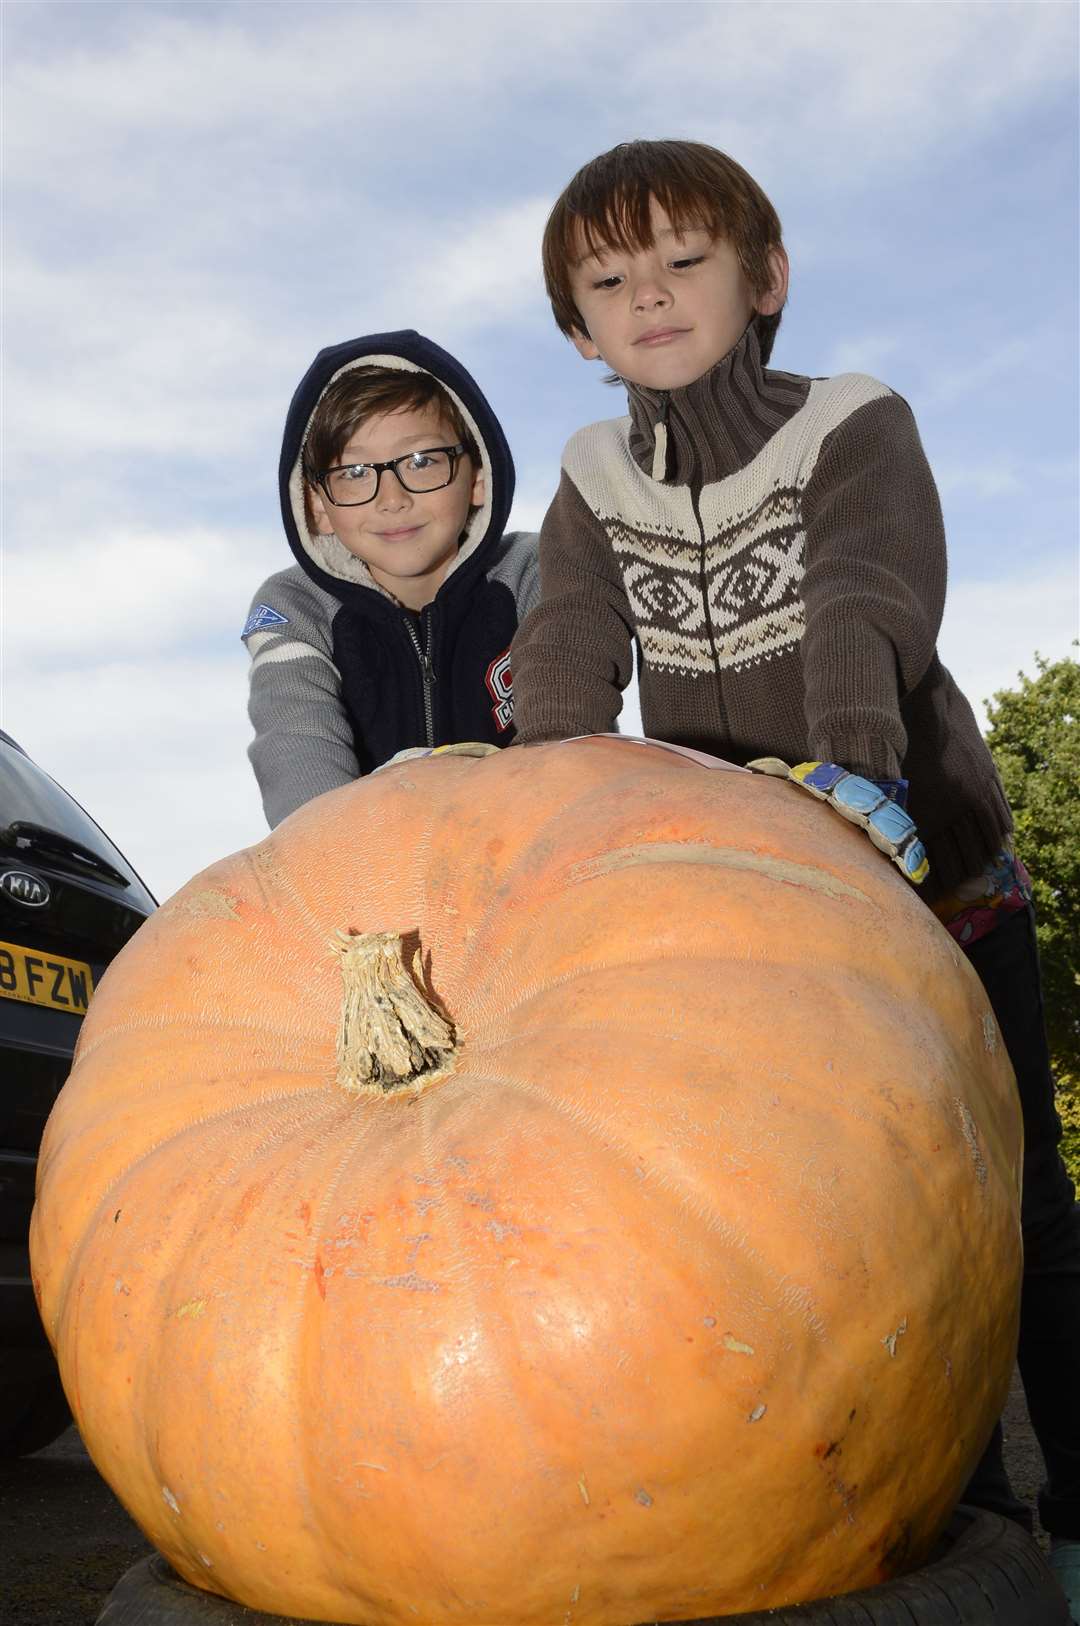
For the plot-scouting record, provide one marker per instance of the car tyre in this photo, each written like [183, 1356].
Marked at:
[151, 1593]
[986, 1571]
[33, 1410]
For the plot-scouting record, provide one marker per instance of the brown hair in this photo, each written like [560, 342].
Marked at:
[607, 205]
[368, 392]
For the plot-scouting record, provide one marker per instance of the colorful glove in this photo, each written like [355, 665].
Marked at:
[878, 808]
[462, 748]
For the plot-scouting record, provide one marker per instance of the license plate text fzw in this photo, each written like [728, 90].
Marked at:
[39, 978]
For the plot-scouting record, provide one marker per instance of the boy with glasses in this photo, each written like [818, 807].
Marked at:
[773, 544]
[393, 628]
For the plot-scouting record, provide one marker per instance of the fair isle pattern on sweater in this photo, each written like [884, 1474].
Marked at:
[735, 600]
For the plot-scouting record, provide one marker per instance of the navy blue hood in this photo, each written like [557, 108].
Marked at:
[325, 559]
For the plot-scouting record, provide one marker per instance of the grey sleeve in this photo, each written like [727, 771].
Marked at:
[518, 567]
[303, 741]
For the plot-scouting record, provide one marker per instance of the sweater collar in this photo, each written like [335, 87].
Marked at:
[716, 424]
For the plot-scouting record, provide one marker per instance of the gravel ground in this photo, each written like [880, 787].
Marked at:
[66, 1540]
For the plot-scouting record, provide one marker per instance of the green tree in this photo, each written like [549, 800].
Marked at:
[1034, 736]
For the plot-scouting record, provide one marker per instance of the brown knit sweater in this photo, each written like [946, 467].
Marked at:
[784, 582]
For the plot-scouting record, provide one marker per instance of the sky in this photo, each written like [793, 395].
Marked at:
[198, 197]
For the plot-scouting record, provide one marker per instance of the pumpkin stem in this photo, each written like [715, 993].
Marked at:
[390, 1036]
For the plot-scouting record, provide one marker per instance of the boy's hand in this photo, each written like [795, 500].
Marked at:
[878, 808]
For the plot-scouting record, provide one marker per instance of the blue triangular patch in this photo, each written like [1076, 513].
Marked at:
[261, 617]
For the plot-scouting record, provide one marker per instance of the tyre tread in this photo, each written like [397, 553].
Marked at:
[986, 1572]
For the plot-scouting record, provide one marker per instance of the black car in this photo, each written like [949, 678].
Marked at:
[68, 902]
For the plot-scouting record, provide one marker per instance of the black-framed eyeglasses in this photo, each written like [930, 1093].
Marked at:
[350, 484]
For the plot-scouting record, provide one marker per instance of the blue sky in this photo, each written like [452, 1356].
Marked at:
[199, 197]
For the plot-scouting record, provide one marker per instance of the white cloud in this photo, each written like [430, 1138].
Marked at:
[866, 353]
[226, 157]
[155, 751]
[259, 84]
[993, 627]
[981, 480]
[344, 93]
[1003, 360]
[124, 354]
[157, 360]
[127, 594]
[206, 73]
[125, 677]
[483, 273]
[835, 91]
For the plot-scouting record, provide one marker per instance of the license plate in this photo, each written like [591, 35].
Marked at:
[39, 978]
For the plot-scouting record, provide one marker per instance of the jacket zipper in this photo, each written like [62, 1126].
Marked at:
[660, 439]
[427, 671]
[695, 503]
[659, 472]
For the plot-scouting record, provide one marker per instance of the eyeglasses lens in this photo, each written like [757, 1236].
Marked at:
[419, 471]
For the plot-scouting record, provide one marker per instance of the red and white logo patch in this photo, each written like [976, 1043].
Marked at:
[501, 689]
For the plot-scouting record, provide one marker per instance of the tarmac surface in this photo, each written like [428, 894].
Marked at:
[65, 1540]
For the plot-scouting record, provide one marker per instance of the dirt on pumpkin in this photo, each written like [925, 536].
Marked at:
[66, 1540]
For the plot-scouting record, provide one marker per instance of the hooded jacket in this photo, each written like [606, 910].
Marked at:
[342, 674]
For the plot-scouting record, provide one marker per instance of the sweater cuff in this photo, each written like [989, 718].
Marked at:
[543, 733]
[868, 754]
[963, 848]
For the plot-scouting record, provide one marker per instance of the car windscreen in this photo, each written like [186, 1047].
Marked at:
[33, 807]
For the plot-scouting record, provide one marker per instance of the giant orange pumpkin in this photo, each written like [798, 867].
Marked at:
[673, 1272]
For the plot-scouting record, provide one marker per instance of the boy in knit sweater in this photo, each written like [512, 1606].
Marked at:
[773, 544]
